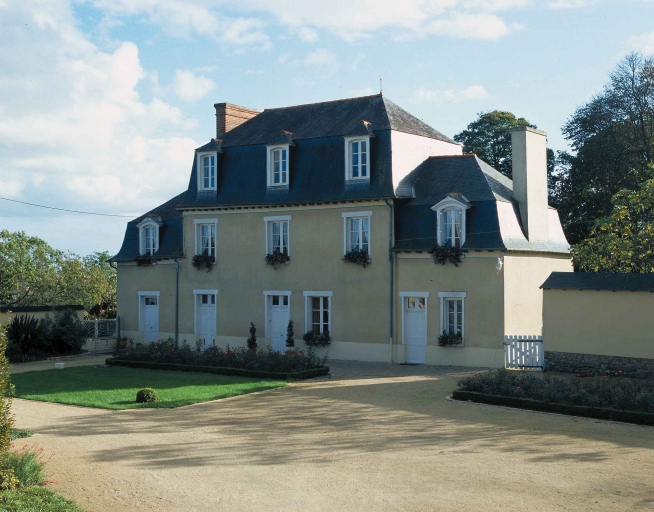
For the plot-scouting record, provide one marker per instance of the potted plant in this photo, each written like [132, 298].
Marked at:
[201, 261]
[317, 340]
[277, 258]
[448, 340]
[144, 260]
[359, 257]
[442, 254]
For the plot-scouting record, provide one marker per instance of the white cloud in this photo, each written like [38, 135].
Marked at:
[320, 57]
[190, 87]
[100, 146]
[643, 43]
[570, 4]
[472, 93]
[469, 26]
[307, 35]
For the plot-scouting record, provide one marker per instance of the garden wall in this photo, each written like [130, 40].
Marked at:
[37, 312]
[595, 332]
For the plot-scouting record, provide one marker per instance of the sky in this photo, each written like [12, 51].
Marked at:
[102, 102]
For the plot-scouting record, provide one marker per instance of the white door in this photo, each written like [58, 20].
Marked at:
[151, 318]
[415, 329]
[278, 315]
[207, 319]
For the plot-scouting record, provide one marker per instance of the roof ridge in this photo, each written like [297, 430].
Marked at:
[453, 156]
[378, 95]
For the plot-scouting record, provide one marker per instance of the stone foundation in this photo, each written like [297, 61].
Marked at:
[589, 365]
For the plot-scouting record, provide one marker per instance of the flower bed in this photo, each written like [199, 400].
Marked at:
[616, 399]
[241, 361]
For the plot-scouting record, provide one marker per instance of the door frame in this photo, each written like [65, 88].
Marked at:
[196, 309]
[266, 294]
[403, 297]
[142, 295]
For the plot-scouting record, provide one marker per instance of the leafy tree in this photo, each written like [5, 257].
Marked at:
[489, 137]
[623, 241]
[612, 137]
[34, 274]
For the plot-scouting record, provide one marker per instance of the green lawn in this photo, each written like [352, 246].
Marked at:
[116, 387]
[35, 499]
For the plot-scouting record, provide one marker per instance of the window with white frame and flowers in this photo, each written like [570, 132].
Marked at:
[148, 236]
[205, 237]
[318, 312]
[357, 232]
[451, 221]
[277, 234]
[453, 313]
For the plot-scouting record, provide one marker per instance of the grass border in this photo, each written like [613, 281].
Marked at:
[220, 370]
[602, 413]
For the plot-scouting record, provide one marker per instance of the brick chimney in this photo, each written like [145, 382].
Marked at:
[529, 153]
[229, 116]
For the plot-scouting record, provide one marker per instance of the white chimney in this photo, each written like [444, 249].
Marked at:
[529, 149]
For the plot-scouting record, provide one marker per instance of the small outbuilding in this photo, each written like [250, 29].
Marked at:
[599, 323]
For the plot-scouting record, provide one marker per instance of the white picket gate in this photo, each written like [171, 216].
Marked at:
[100, 334]
[524, 352]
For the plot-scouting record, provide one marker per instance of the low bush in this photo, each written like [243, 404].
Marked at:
[266, 360]
[35, 499]
[146, 396]
[614, 393]
[19, 434]
[27, 465]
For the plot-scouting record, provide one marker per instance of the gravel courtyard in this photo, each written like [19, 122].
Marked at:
[373, 437]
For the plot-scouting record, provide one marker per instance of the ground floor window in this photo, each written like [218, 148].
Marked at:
[452, 313]
[318, 312]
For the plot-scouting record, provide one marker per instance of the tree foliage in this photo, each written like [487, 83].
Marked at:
[612, 136]
[34, 274]
[623, 241]
[489, 137]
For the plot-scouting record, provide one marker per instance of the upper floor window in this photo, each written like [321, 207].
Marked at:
[357, 158]
[148, 236]
[277, 234]
[205, 237]
[357, 231]
[207, 171]
[451, 220]
[278, 169]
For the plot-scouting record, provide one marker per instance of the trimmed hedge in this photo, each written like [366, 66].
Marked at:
[602, 413]
[217, 370]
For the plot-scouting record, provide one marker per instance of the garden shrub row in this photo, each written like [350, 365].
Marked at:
[217, 370]
[603, 413]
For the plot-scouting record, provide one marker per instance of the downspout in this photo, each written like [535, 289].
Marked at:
[392, 285]
[177, 265]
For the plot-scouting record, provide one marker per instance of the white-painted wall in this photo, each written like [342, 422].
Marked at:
[408, 151]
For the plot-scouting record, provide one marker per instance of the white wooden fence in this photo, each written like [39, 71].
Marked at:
[522, 352]
[100, 334]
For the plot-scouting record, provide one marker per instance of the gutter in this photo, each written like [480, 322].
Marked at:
[177, 265]
[391, 260]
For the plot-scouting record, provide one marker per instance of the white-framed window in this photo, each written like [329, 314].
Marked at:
[451, 221]
[278, 165]
[148, 237]
[357, 158]
[207, 165]
[318, 312]
[205, 236]
[453, 313]
[356, 231]
[278, 234]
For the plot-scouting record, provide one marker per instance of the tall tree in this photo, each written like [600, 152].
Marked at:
[613, 139]
[623, 241]
[489, 137]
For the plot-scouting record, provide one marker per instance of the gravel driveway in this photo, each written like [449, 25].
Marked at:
[374, 437]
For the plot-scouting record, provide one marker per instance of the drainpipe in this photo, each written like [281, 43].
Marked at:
[391, 261]
[177, 265]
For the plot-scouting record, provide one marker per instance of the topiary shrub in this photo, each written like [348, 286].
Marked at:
[290, 333]
[252, 340]
[146, 396]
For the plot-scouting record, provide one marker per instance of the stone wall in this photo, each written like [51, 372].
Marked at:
[588, 365]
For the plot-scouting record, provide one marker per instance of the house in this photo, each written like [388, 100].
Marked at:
[360, 179]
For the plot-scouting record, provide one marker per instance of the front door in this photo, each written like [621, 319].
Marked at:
[415, 329]
[151, 318]
[278, 315]
[207, 320]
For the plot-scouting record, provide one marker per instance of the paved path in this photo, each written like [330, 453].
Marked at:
[49, 364]
[373, 438]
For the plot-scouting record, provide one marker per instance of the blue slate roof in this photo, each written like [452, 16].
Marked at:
[609, 281]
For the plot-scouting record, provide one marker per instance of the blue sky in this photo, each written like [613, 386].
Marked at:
[102, 102]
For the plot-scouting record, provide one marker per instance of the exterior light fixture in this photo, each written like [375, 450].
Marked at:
[499, 264]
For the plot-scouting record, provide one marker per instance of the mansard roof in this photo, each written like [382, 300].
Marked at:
[329, 119]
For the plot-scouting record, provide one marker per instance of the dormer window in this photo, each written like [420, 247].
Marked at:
[149, 236]
[451, 220]
[278, 170]
[357, 158]
[207, 164]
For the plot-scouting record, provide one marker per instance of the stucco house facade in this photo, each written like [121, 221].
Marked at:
[358, 177]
